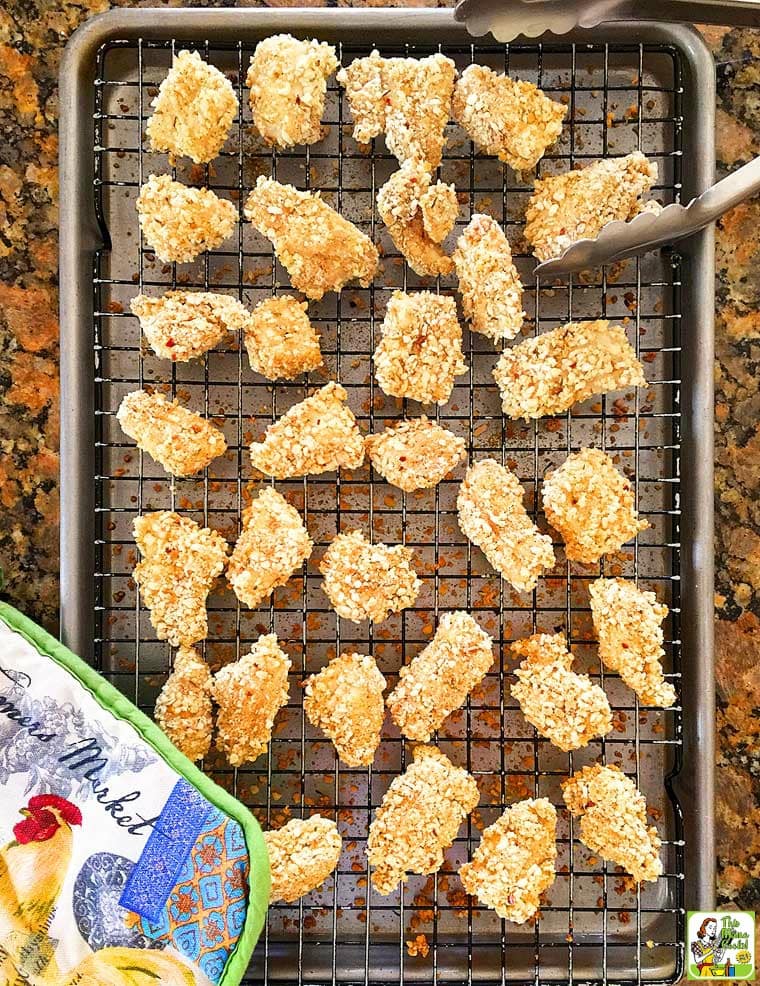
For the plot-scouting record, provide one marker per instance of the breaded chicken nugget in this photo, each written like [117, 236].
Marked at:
[515, 861]
[365, 581]
[181, 325]
[415, 455]
[438, 680]
[179, 223]
[318, 435]
[345, 701]
[250, 692]
[280, 339]
[409, 99]
[575, 205]
[613, 816]
[320, 249]
[288, 82]
[492, 515]
[418, 818]
[302, 854]
[181, 441]
[591, 505]
[272, 545]
[420, 352]
[183, 706]
[193, 110]
[419, 216]
[547, 375]
[180, 563]
[488, 280]
[565, 707]
[513, 120]
[628, 621]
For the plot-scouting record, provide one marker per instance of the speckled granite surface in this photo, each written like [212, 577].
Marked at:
[32, 36]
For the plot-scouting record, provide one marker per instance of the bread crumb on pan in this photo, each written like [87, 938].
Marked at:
[320, 250]
[418, 818]
[613, 816]
[180, 563]
[408, 99]
[628, 622]
[365, 581]
[179, 223]
[182, 325]
[193, 111]
[288, 83]
[317, 435]
[515, 860]
[565, 707]
[415, 455]
[345, 701]
[438, 680]
[547, 375]
[183, 706]
[180, 440]
[420, 352]
[272, 545]
[575, 205]
[492, 515]
[302, 854]
[591, 505]
[516, 121]
[250, 692]
[280, 339]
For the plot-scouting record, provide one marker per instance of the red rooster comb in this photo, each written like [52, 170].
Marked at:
[40, 823]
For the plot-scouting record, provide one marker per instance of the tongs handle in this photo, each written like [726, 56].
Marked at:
[737, 187]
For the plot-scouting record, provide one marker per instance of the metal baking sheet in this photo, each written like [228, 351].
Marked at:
[630, 87]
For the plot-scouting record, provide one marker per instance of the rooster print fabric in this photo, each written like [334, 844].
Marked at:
[114, 869]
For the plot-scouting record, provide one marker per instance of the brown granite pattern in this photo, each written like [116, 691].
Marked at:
[32, 36]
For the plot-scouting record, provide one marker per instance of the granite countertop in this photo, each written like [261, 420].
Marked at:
[32, 38]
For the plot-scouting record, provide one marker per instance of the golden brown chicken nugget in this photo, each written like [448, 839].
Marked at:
[183, 706]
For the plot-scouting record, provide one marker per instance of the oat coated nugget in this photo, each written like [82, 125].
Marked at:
[345, 701]
[272, 545]
[183, 707]
[591, 505]
[492, 515]
[302, 854]
[180, 440]
[628, 621]
[179, 223]
[420, 352]
[250, 692]
[613, 816]
[180, 563]
[280, 339]
[515, 121]
[488, 280]
[575, 205]
[515, 861]
[419, 216]
[193, 111]
[545, 376]
[407, 98]
[288, 83]
[181, 325]
[565, 707]
[418, 818]
[318, 435]
[320, 249]
[365, 581]
[415, 455]
[438, 680]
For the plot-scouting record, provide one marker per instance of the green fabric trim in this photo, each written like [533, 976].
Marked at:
[112, 700]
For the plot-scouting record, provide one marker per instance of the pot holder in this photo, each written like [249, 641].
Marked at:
[121, 864]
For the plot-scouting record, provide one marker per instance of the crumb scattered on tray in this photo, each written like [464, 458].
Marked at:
[181, 325]
[183, 706]
[302, 854]
[280, 339]
[415, 455]
[419, 945]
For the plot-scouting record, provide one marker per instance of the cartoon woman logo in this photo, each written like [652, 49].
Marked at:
[709, 955]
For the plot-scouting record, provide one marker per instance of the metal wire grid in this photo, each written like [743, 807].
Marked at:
[593, 925]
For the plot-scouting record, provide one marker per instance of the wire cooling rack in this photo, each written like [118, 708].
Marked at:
[593, 925]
